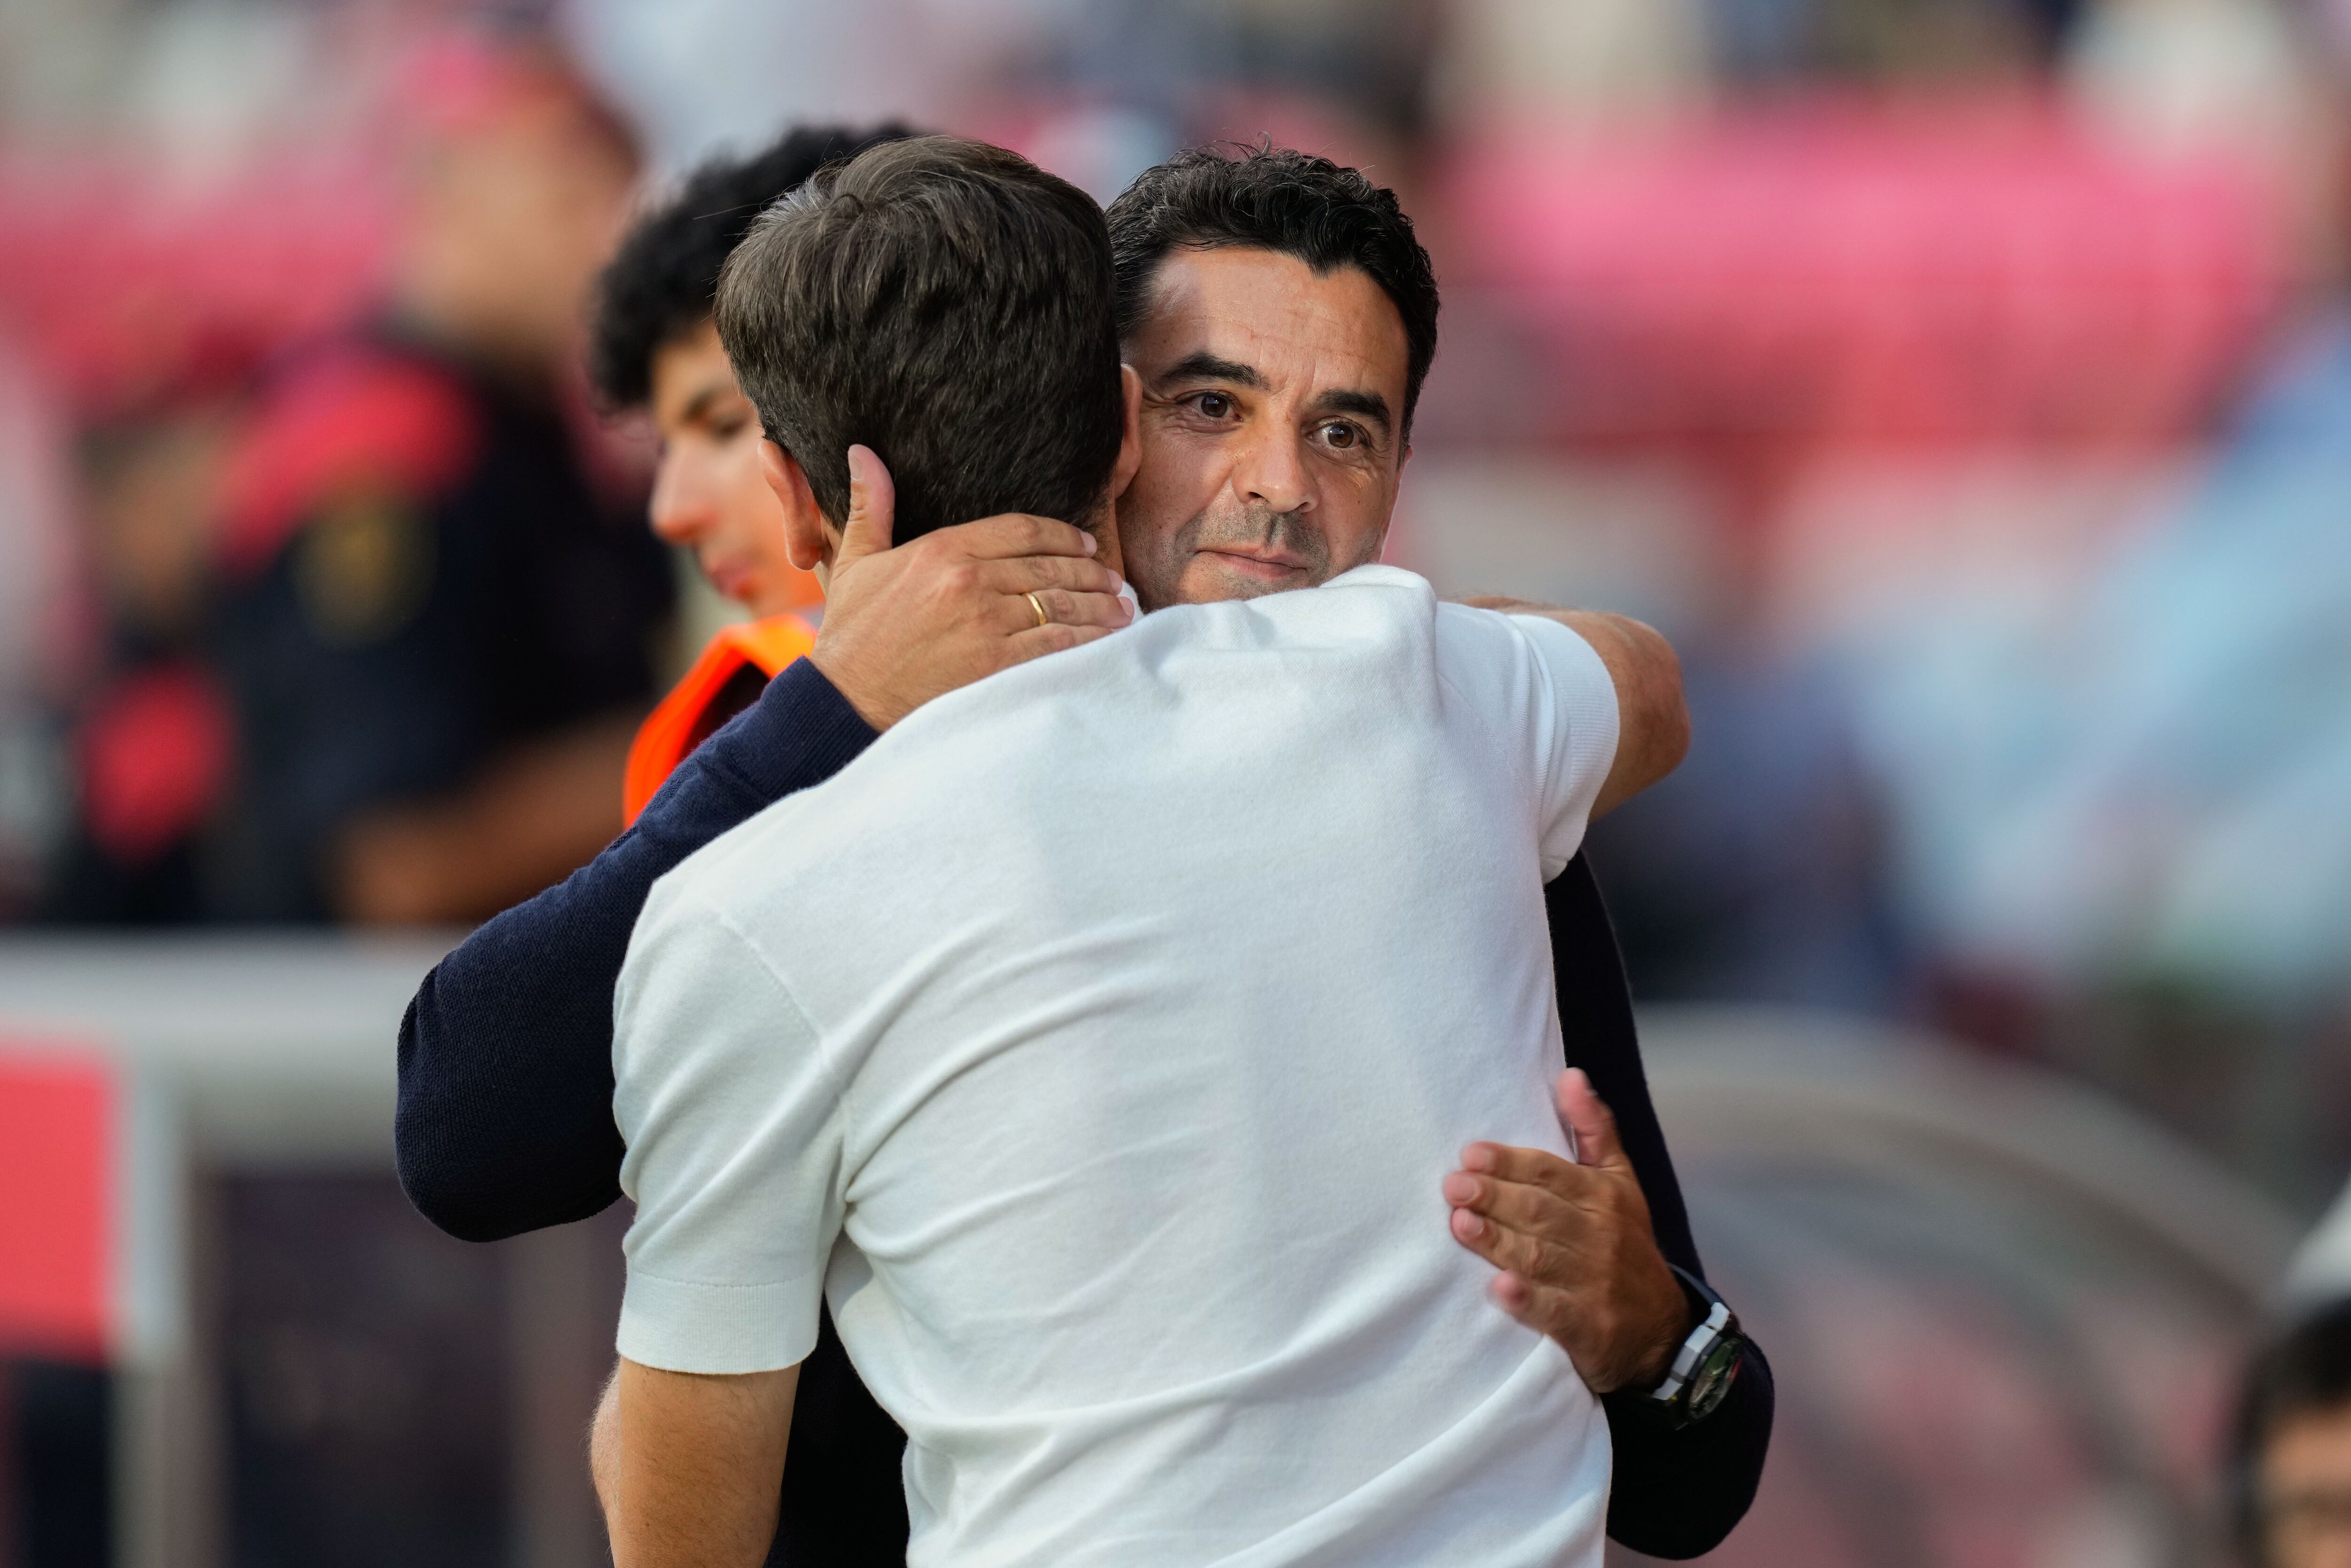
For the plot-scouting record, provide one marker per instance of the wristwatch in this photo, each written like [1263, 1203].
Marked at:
[1708, 1361]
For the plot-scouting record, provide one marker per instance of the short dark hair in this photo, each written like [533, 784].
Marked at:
[950, 304]
[1276, 199]
[664, 279]
[2306, 1370]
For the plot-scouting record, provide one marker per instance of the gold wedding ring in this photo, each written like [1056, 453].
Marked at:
[1039, 606]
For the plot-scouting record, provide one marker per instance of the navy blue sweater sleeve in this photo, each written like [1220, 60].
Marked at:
[1677, 1493]
[505, 1120]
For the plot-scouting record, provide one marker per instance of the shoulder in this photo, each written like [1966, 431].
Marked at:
[689, 949]
[745, 888]
[1492, 642]
[354, 424]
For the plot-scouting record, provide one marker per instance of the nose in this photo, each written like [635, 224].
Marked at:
[1273, 471]
[681, 509]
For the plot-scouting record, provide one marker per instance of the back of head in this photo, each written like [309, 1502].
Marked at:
[662, 281]
[1276, 199]
[950, 304]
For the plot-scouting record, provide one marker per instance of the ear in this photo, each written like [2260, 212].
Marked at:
[1130, 444]
[808, 543]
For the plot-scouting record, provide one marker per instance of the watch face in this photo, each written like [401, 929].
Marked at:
[1710, 1379]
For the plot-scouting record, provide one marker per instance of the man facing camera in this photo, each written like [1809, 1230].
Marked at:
[1087, 1043]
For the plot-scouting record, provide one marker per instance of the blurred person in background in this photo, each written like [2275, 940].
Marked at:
[152, 742]
[2291, 1466]
[439, 611]
[37, 635]
[505, 1121]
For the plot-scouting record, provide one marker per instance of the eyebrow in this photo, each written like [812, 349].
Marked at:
[1368, 405]
[1204, 366]
[699, 404]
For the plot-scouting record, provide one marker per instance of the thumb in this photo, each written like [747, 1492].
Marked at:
[1589, 1121]
[873, 509]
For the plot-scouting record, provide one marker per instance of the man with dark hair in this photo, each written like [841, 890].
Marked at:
[1281, 318]
[1233, 272]
[505, 1121]
[1053, 1130]
[2293, 1448]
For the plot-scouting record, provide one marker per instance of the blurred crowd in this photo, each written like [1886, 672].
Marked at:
[1964, 384]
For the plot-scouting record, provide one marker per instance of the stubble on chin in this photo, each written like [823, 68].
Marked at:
[1202, 577]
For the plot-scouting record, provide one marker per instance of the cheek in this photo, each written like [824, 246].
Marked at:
[1176, 482]
[1354, 522]
[755, 518]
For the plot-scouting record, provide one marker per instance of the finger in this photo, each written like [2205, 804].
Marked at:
[1534, 1209]
[1052, 639]
[1541, 1308]
[1536, 1253]
[1514, 1250]
[1589, 1121]
[1066, 608]
[1020, 574]
[1017, 534]
[1019, 612]
[1533, 1167]
[873, 509]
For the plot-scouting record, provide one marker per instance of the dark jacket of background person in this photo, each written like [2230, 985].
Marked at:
[505, 1125]
[421, 574]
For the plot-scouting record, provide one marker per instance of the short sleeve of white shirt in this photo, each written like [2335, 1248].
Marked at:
[732, 1117]
[1550, 688]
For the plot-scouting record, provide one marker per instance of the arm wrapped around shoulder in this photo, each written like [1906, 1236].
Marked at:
[1653, 720]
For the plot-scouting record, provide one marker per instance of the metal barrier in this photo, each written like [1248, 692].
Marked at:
[2006, 1315]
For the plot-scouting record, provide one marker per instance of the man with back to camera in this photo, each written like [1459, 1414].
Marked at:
[1018, 1038]
[488, 1098]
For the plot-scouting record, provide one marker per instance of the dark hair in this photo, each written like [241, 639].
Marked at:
[1278, 200]
[662, 280]
[2304, 1372]
[949, 304]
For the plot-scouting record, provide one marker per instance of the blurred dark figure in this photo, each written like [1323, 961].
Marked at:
[1754, 871]
[437, 616]
[2292, 1465]
[152, 739]
[1776, 41]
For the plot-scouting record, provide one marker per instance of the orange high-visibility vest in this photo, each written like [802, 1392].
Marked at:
[684, 721]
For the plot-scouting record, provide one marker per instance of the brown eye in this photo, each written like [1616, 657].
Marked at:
[1215, 405]
[1341, 435]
